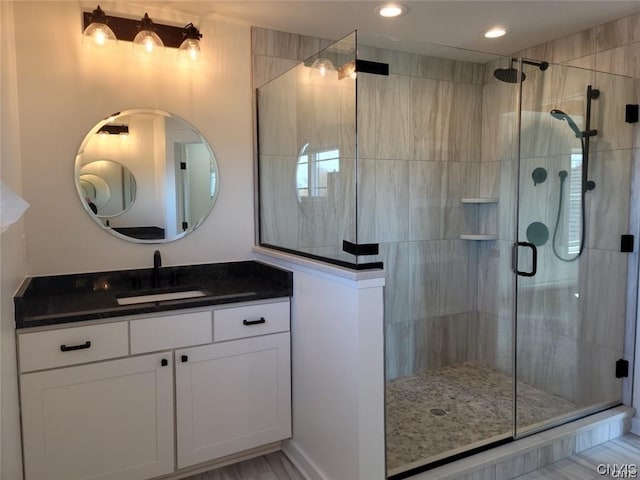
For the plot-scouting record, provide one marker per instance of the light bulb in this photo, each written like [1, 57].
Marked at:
[146, 41]
[98, 31]
[322, 67]
[189, 51]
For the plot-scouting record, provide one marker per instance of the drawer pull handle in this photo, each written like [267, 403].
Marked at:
[254, 322]
[184, 358]
[64, 348]
[164, 362]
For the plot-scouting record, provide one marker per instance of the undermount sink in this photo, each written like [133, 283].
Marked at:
[159, 297]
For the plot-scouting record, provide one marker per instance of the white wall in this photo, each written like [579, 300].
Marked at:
[65, 88]
[12, 263]
[337, 355]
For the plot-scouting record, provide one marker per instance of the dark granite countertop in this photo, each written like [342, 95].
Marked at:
[57, 299]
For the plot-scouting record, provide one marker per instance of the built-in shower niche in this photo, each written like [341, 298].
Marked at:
[439, 176]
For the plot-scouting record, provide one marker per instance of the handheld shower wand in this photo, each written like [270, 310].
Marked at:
[560, 115]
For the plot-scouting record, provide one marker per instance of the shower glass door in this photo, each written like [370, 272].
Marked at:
[574, 287]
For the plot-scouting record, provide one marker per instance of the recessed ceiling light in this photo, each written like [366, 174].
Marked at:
[390, 10]
[495, 32]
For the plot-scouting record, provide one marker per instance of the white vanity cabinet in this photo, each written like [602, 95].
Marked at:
[102, 407]
[110, 420]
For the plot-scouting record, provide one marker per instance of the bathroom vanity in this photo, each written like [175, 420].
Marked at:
[161, 383]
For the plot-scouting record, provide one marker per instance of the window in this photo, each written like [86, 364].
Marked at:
[314, 167]
[574, 222]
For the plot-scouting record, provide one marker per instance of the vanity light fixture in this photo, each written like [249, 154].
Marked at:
[391, 10]
[495, 32]
[146, 35]
[113, 129]
[98, 29]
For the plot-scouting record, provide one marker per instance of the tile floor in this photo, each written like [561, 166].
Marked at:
[274, 466]
[588, 464]
[581, 466]
[457, 406]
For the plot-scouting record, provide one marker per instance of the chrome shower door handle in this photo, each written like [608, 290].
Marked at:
[534, 259]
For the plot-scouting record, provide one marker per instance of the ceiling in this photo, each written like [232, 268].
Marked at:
[456, 23]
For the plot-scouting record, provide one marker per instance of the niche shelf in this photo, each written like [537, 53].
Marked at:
[479, 201]
[478, 236]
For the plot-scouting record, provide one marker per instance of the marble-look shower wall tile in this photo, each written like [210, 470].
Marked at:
[393, 132]
[489, 186]
[507, 204]
[574, 46]
[535, 129]
[318, 118]
[459, 180]
[366, 198]
[498, 126]
[494, 346]
[596, 374]
[444, 127]
[279, 214]
[345, 201]
[368, 91]
[424, 281]
[610, 201]
[609, 112]
[396, 294]
[443, 341]
[274, 43]
[495, 278]
[548, 361]
[457, 276]
[605, 313]
[624, 60]
[317, 222]
[425, 200]
[588, 61]
[399, 344]
[266, 68]
[618, 33]
[347, 117]
[277, 116]
[392, 200]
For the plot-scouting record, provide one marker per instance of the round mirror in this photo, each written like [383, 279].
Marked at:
[146, 176]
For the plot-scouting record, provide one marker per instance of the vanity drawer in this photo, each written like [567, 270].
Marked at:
[69, 346]
[251, 320]
[170, 331]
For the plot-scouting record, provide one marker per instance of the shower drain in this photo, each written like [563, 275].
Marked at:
[438, 412]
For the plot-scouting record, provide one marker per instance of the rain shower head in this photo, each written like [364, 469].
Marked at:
[512, 75]
[560, 115]
[509, 75]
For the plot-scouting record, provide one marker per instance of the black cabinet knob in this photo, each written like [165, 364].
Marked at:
[164, 362]
[184, 358]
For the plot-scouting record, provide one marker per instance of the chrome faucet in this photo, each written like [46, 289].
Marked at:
[157, 263]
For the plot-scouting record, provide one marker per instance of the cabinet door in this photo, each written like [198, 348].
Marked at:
[105, 421]
[232, 396]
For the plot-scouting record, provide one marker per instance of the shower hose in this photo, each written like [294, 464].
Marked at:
[563, 177]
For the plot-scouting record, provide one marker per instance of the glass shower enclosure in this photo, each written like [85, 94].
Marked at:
[510, 281]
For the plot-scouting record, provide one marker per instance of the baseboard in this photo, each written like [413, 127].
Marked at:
[635, 425]
[306, 466]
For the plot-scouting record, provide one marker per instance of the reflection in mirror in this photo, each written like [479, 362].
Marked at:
[108, 188]
[155, 183]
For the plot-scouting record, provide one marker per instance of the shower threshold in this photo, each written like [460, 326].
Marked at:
[475, 409]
